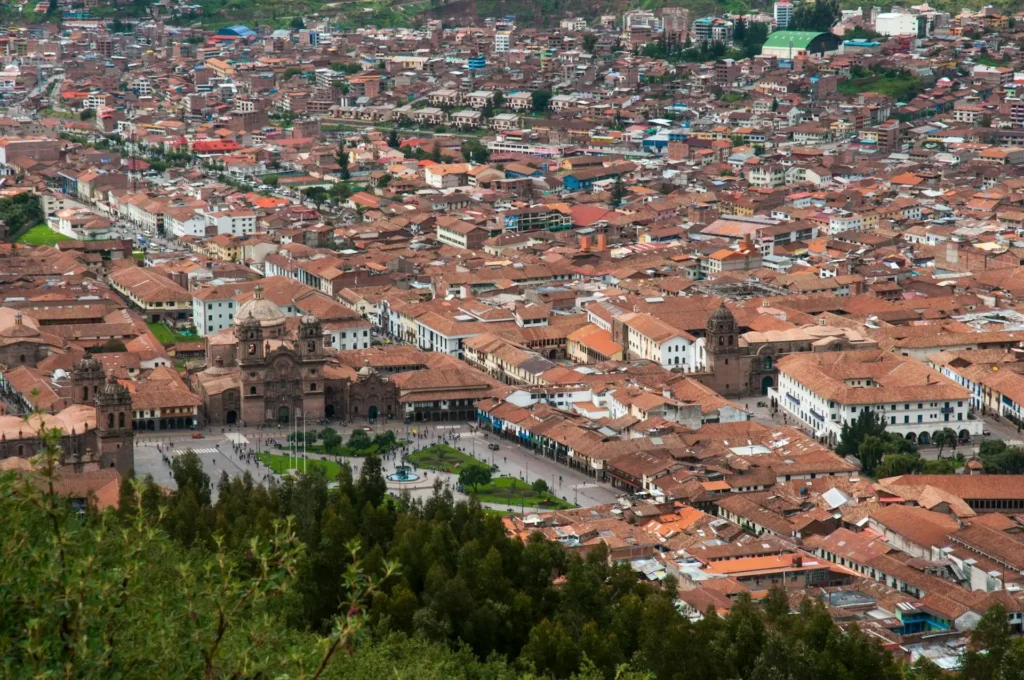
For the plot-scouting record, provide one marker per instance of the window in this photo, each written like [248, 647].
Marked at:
[252, 390]
[110, 420]
[120, 420]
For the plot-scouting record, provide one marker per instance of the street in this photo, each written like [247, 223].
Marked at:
[216, 450]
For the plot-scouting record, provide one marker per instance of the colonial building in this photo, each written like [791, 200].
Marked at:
[260, 371]
[746, 364]
[96, 427]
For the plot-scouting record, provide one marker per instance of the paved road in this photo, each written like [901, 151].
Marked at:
[216, 450]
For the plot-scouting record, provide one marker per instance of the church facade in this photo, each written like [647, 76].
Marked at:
[96, 427]
[267, 370]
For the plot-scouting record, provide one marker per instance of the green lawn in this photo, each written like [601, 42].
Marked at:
[42, 235]
[169, 336]
[512, 492]
[443, 457]
[281, 464]
[139, 255]
[901, 88]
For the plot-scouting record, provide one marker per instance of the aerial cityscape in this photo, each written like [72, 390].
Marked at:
[493, 339]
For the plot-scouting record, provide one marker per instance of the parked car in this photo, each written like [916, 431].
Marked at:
[197, 435]
[492, 446]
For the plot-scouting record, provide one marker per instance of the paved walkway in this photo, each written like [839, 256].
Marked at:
[217, 449]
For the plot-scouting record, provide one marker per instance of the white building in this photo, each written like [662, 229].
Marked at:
[185, 222]
[896, 23]
[234, 222]
[213, 310]
[654, 340]
[826, 390]
[783, 13]
[502, 41]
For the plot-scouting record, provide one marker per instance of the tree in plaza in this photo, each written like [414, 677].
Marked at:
[991, 447]
[341, 155]
[474, 476]
[385, 440]
[943, 438]
[1007, 461]
[539, 486]
[331, 439]
[359, 439]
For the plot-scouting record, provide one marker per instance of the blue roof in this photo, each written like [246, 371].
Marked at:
[239, 30]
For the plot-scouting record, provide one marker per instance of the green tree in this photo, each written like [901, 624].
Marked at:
[589, 42]
[990, 641]
[539, 486]
[393, 140]
[896, 464]
[385, 441]
[539, 100]
[359, 439]
[943, 438]
[340, 191]
[474, 151]
[853, 433]
[109, 595]
[331, 439]
[990, 447]
[435, 152]
[372, 486]
[341, 156]
[288, 74]
[271, 180]
[819, 16]
[618, 192]
[317, 195]
[474, 476]
[297, 24]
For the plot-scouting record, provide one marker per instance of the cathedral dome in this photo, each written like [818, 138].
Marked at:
[261, 310]
[19, 329]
